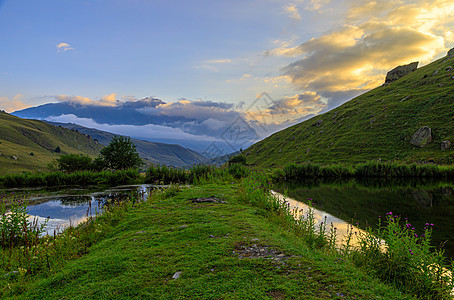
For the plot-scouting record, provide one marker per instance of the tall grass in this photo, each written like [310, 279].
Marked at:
[372, 169]
[77, 178]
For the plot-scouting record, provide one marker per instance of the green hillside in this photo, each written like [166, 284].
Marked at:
[152, 153]
[29, 145]
[376, 125]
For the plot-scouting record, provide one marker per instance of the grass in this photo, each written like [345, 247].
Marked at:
[28, 145]
[82, 178]
[135, 251]
[376, 125]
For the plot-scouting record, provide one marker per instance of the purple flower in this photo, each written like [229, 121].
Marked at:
[416, 235]
[390, 213]
[427, 224]
[432, 225]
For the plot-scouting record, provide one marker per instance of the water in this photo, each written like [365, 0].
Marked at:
[362, 201]
[63, 207]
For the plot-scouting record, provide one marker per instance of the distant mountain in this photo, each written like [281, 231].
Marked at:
[126, 113]
[408, 119]
[29, 145]
[156, 153]
[197, 125]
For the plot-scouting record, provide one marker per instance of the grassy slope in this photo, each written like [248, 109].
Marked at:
[137, 257]
[377, 124]
[20, 137]
[156, 153]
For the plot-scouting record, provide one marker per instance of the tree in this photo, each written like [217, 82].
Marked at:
[74, 162]
[121, 154]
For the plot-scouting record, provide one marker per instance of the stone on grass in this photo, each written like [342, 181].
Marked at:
[445, 145]
[421, 137]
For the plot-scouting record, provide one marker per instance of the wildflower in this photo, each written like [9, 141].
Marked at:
[432, 225]
[390, 213]
[416, 235]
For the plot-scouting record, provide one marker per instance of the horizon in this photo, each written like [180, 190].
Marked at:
[210, 62]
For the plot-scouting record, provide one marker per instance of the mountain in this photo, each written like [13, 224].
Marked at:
[156, 153]
[381, 124]
[29, 145]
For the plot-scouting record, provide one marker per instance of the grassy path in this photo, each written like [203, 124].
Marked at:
[219, 250]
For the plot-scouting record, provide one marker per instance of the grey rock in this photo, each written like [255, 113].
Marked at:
[400, 72]
[319, 122]
[183, 226]
[449, 69]
[445, 145]
[176, 275]
[451, 53]
[436, 72]
[421, 137]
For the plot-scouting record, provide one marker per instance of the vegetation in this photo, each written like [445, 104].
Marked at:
[29, 145]
[74, 162]
[178, 249]
[120, 154]
[375, 125]
[363, 170]
[83, 178]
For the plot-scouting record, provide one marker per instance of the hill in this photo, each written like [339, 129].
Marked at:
[29, 145]
[151, 152]
[377, 125]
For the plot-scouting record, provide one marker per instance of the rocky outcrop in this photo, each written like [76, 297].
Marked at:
[400, 72]
[318, 123]
[421, 137]
[451, 53]
[445, 145]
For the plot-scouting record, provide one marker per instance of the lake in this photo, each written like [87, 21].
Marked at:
[362, 201]
[65, 206]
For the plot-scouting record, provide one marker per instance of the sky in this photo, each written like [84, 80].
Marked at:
[307, 56]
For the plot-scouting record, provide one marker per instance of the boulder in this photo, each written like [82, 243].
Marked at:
[421, 137]
[400, 72]
[445, 145]
[451, 53]
[319, 122]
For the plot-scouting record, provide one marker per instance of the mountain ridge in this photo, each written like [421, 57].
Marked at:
[377, 125]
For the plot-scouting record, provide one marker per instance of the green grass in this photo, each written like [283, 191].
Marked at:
[29, 145]
[375, 125]
[134, 253]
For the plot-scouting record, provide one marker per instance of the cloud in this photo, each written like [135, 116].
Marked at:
[209, 64]
[293, 12]
[147, 132]
[108, 100]
[219, 61]
[64, 47]
[13, 104]
[375, 37]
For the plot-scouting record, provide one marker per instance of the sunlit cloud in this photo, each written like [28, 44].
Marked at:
[219, 61]
[374, 38]
[64, 47]
[12, 104]
[108, 100]
[292, 11]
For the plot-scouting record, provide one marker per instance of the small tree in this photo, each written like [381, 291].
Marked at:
[121, 154]
[74, 162]
[238, 159]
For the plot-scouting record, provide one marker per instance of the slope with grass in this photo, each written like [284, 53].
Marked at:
[152, 152]
[172, 248]
[377, 125]
[29, 145]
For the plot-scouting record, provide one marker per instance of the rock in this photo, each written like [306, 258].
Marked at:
[451, 53]
[445, 145]
[449, 69]
[319, 122]
[307, 150]
[421, 137]
[435, 72]
[176, 275]
[400, 72]
[212, 199]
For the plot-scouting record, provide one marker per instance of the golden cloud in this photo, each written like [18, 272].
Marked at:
[376, 37]
[108, 100]
[64, 47]
[13, 104]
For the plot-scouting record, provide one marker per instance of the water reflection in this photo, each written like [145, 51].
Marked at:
[69, 207]
[362, 201]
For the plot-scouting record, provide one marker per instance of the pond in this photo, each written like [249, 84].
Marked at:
[69, 206]
[363, 201]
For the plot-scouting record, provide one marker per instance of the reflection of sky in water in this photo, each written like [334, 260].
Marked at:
[61, 211]
[341, 226]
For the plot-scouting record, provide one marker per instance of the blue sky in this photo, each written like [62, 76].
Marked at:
[308, 55]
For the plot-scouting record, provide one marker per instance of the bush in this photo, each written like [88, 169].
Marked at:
[74, 162]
